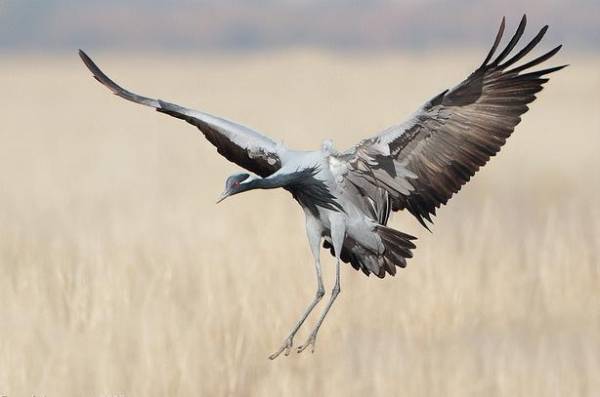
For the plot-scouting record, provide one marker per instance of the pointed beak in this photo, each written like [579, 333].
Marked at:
[222, 197]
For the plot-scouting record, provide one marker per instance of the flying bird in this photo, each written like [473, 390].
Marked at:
[347, 197]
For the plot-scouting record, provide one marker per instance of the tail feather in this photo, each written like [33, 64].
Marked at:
[397, 245]
[397, 249]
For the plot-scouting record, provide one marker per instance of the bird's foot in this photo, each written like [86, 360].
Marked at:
[312, 339]
[286, 346]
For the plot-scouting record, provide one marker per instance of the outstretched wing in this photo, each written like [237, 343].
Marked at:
[424, 161]
[241, 145]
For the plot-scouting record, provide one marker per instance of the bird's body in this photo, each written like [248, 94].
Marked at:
[318, 181]
[348, 196]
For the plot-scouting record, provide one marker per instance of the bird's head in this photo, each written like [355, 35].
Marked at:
[235, 184]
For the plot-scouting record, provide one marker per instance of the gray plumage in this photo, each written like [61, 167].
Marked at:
[348, 196]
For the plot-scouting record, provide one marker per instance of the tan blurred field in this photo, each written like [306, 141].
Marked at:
[120, 276]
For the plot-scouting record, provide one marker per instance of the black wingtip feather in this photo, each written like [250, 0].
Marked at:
[539, 73]
[496, 42]
[90, 64]
[112, 86]
[525, 49]
[513, 41]
[99, 74]
[536, 61]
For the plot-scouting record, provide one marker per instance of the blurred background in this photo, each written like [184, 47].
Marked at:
[120, 277]
[185, 25]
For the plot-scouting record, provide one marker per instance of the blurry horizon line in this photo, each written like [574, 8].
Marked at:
[260, 25]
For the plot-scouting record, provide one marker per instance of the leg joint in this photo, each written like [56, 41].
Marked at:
[320, 292]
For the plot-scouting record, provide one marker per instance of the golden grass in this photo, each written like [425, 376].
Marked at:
[120, 276]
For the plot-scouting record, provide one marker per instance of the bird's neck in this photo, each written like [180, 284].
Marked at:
[271, 182]
[280, 179]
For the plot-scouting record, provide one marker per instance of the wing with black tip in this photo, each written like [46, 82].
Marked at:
[238, 144]
[424, 161]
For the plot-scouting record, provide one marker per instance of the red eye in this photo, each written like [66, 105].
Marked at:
[236, 184]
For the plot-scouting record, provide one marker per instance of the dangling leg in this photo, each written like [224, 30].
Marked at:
[313, 231]
[338, 234]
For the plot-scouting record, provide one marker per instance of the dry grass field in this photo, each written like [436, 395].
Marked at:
[120, 277]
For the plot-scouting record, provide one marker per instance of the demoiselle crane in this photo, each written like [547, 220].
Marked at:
[347, 197]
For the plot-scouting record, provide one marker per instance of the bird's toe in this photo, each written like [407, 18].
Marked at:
[312, 339]
[285, 348]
